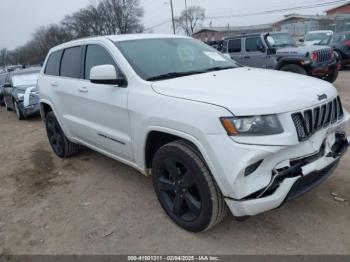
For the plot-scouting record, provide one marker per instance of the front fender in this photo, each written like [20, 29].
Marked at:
[290, 60]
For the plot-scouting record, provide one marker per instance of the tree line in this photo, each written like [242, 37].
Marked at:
[108, 17]
[105, 18]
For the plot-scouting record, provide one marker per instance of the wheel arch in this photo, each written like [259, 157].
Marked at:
[289, 60]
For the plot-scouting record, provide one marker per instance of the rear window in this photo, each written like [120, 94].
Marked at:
[53, 64]
[235, 46]
[71, 62]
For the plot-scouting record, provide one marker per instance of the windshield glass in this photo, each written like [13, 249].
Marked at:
[317, 36]
[25, 79]
[276, 40]
[151, 58]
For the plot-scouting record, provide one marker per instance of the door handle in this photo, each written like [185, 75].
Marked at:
[83, 90]
[54, 84]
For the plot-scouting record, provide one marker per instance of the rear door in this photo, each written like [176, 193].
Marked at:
[255, 52]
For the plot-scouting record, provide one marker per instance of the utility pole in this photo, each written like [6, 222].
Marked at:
[186, 17]
[172, 15]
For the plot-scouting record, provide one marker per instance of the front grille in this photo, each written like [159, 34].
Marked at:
[312, 120]
[324, 55]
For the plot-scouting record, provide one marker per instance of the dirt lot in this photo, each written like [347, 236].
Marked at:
[91, 204]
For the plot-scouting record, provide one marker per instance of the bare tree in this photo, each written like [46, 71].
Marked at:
[189, 21]
[107, 17]
[4, 59]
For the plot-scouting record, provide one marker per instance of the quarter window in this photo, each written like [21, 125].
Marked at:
[251, 44]
[71, 62]
[96, 55]
[235, 46]
[53, 64]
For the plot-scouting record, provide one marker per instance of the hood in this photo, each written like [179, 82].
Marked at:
[299, 50]
[249, 91]
[314, 42]
[24, 87]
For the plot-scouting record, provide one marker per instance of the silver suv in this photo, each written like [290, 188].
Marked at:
[279, 51]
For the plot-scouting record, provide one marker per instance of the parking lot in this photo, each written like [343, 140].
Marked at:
[91, 204]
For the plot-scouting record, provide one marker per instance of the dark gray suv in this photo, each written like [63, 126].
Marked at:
[279, 51]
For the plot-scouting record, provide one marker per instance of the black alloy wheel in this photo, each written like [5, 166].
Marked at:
[185, 187]
[179, 190]
[59, 142]
[54, 134]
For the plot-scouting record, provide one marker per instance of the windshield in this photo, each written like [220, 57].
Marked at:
[317, 36]
[25, 79]
[276, 40]
[173, 57]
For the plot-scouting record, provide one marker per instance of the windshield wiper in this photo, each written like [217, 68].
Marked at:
[180, 74]
[218, 68]
[173, 75]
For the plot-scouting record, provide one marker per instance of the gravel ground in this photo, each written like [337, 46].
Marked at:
[91, 204]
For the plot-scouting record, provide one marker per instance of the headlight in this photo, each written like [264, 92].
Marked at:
[252, 125]
[20, 97]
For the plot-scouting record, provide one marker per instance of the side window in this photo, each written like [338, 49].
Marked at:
[251, 44]
[71, 62]
[53, 64]
[235, 46]
[96, 55]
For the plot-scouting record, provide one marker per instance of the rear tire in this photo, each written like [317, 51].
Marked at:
[59, 142]
[294, 69]
[185, 188]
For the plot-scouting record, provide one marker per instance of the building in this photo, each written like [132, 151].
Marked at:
[342, 9]
[210, 34]
[299, 25]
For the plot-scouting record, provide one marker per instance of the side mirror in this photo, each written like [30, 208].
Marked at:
[106, 75]
[7, 85]
[301, 40]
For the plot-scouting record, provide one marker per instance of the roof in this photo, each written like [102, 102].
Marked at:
[339, 6]
[255, 34]
[235, 28]
[116, 38]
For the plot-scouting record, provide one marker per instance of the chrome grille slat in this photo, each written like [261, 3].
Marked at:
[312, 120]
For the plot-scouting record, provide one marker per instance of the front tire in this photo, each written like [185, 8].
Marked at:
[185, 188]
[19, 113]
[6, 106]
[294, 69]
[332, 76]
[60, 144]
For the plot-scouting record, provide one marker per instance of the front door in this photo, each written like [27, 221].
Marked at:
[104, 108]
[255, 53]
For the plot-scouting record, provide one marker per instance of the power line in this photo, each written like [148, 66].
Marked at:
[302, 7]
[279, 10]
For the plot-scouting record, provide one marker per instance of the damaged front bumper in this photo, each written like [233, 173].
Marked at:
[300, 176]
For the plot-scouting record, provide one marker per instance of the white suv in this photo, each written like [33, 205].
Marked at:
[212, 134]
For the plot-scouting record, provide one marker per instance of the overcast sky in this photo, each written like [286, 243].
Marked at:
[19, 18]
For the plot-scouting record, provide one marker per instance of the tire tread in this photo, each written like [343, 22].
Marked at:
[219, 205]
